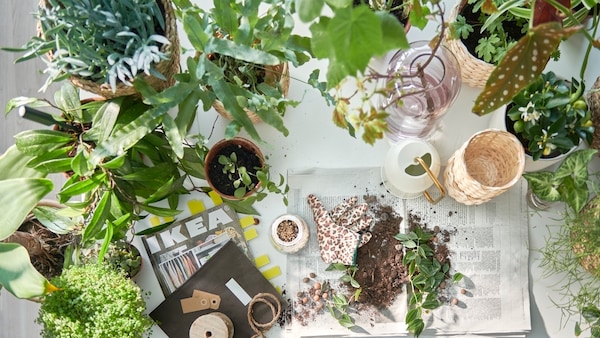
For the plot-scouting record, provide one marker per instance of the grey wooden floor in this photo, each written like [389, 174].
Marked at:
[17, 25]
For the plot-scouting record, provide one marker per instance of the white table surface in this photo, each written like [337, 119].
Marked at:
[314, 141]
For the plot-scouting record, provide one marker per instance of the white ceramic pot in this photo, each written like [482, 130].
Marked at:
[498, 121]
[410, 168]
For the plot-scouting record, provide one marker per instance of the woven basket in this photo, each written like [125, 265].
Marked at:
[167, 67]
[473, 71]
[584, 248]
[279, 73]
[485, 166]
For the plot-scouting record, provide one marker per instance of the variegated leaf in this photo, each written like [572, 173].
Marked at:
[521, 65]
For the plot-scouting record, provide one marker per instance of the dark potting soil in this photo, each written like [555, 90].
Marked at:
[245, 158]
[472, 40]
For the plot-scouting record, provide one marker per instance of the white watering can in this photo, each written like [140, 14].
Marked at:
[410, 168]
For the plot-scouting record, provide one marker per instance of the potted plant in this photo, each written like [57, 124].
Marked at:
[236, 170]
[118, 159]
[102, 46]
[241, 61]
[480, 35]
[572, 251]
[94, 301]
[550, 117]
[551, 23]
[121, 255]
[568, 183]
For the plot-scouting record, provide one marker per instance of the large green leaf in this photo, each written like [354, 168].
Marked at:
[521, 65]
[38, 142]
[18, 196]
[13, 164]
[241, 52]
[59, 224]
[576, 166]
[18, 275]
[542, 184]
[309, 10]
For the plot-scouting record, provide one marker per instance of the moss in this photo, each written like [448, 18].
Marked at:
[94, 301]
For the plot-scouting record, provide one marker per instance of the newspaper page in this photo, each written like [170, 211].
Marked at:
[488, 245]
[178, 251]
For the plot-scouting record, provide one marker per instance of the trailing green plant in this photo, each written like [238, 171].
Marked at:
[94, 301]
[105, 41]
[591, 314]
[348, 276]
[569, 183]
[551, 116]
[425, 275]
[236, 39]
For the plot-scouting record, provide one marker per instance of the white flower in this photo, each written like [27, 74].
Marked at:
[529, 115]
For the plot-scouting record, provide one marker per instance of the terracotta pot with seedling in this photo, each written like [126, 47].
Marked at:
[289, 233]
[236, 169]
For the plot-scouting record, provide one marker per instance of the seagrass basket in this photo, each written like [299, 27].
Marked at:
[473, 71]
[278, 73]
[485, 166]
[167, 67]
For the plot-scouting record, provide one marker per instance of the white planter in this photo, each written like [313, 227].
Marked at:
[497, 121]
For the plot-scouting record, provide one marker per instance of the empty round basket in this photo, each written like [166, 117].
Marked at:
[485, 166]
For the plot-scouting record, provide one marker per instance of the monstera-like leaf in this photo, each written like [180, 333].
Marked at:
[521, 65]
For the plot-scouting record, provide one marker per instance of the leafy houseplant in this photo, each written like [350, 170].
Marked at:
[238, 48]
[550, 23]
[550, 116]
[236, 169]
[94, 301]
[489, 32]
[102, 45]
[119, 157]
[568, 183]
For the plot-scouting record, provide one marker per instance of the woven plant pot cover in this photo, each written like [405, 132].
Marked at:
[167, 67]
[485, 166]
[474, 72]
[279, 73]
[586, 254]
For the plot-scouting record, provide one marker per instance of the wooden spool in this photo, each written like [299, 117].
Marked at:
[212, 325]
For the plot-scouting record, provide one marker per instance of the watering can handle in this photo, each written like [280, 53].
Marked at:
[435, 181]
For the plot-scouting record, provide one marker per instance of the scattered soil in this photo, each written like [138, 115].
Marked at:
[245, 158]
[380, 273]
[287, 230]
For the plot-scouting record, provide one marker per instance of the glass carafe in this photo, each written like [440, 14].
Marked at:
[419, 88]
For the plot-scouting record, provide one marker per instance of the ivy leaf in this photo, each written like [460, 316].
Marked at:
[462, 28]
[487, 47]
[521, 65]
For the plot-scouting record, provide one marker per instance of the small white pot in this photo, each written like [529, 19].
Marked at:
[497, 121]
[294, 245]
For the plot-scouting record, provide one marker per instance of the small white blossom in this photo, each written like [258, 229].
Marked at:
[529, 114]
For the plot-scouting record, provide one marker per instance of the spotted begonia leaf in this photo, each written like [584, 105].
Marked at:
[521, 65]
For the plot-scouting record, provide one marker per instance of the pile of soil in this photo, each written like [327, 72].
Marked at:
[381, 273]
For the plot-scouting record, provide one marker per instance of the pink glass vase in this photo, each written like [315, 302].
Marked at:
[420, 87]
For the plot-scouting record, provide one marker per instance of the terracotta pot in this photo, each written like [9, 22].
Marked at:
[248, 153]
